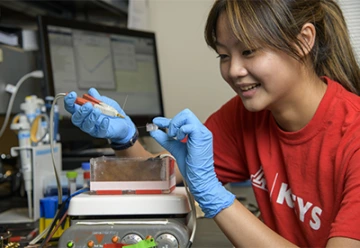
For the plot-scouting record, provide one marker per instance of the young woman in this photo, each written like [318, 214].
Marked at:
[293, 129]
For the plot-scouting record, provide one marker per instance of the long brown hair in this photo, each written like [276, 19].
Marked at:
[277, 23]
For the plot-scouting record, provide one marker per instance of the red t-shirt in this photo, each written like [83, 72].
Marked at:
[307, 183]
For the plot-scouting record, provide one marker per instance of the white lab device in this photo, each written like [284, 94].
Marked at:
[41, 170]
[108, 220]
[23, 131]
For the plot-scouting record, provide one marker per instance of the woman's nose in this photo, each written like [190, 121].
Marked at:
[237, 68]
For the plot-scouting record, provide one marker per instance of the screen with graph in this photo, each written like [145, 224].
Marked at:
[120, 63]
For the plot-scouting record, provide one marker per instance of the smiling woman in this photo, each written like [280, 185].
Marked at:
[293, 67]
[251, 48]
[282, 32]
[293, 129]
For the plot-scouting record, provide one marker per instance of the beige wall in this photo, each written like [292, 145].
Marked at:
[351, 11]
[189, 69]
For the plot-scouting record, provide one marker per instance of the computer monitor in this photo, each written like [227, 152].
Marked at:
[118, 62]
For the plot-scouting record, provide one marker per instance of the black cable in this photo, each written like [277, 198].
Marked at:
[61, 210]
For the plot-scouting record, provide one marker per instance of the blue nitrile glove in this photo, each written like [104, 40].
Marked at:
[194, 159]
[93, 122]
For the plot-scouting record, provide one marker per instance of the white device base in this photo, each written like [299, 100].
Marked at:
[87, 204]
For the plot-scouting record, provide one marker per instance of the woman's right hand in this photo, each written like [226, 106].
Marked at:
[92, 121]
[194, 158]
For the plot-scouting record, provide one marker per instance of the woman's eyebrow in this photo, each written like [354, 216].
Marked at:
[217, 43]
[237, 43]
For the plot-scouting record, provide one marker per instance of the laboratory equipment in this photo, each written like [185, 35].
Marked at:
[120, 132]
[143, 208]
[22, 127]
[151, 127]
[48, 208]
[110, 220]
[42, 169]
[112, 175]
[119, 62]
[103, 107]
[71, 176]
[34, 110]
[10, 176]
[85, 166]
[48, 104]
[14, 90]
[39, 120]
[4, 238]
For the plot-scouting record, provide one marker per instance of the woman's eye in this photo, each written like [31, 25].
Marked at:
[248, 52]
[222, 56]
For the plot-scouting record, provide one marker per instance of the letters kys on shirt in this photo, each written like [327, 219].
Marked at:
[284, 196]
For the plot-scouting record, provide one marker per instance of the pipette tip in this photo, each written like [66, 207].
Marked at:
[151, 127]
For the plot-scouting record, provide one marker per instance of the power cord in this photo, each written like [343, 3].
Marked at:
[193, 215]
[51, 136]
[61, 205]
[58, 219]
[60, 216]
[192, 204]
[13, 90]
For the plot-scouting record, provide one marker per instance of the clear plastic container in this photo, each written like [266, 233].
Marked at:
[111, 175]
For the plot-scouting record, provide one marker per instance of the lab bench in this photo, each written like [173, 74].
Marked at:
[208, 234]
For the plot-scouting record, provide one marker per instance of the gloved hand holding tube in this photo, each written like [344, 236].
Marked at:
[194, 159]
[92, 121]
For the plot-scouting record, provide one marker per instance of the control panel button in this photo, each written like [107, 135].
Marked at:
[131, 239]
[167, 241]
[115, 239]
[70, 244]
[90, 244]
